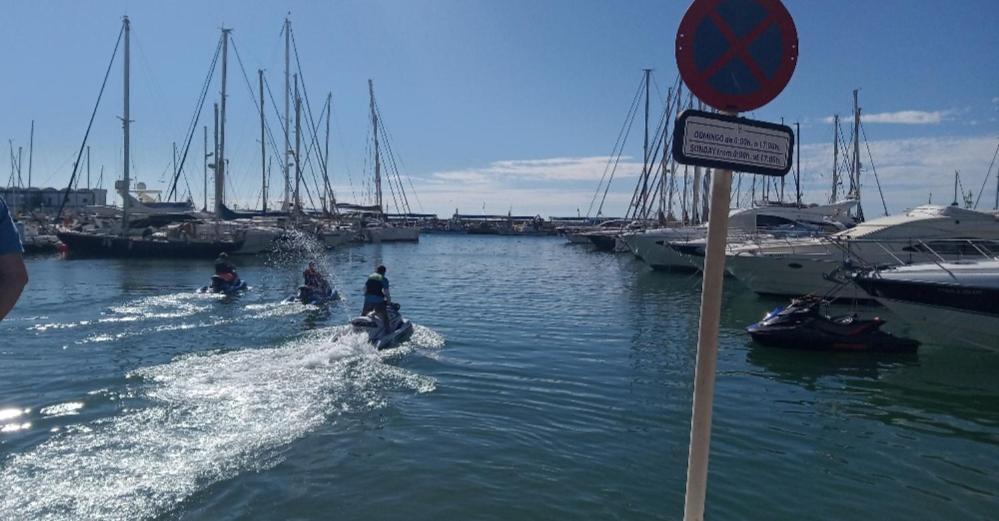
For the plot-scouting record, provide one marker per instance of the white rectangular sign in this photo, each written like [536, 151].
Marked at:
[721, 141]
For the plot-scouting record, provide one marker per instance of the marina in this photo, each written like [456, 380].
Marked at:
[508, 385]
[375, 261]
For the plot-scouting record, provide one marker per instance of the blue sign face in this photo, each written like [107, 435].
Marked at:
[736, 54]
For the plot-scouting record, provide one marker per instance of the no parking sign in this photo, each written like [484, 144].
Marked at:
[736, 55]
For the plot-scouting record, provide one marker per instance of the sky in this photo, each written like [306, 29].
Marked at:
[491, 106]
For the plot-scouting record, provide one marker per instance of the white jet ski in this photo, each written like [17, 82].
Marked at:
[373, 325]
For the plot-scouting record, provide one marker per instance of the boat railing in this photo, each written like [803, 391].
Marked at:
[909, 251]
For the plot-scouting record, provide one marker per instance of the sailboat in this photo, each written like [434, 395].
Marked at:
[136, 239]
[377, 228]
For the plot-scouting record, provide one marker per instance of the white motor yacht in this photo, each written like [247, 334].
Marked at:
[794, 267]
[652, 246]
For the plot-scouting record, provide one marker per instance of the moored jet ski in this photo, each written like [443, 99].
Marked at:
[220, 285]
[372, 324]
[802, 325]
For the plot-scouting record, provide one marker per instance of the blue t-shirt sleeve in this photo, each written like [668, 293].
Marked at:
[10, 241]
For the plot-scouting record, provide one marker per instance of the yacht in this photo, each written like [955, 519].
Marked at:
[794, 267]
[653, 246]
[378, 231]
[952, 303]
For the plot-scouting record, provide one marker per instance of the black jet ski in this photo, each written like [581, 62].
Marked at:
[372, 325]
[220, 285]
[315, 296]
[802, 325]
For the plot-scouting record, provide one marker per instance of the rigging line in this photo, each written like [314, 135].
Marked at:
[873, 168]
[614, 151]
[253, 97]
[274, 146]
[392, 158]
[193, 126]
[305, 96]
[392, 190]
[76, 164]
[960, 184]
[986, 180]
[343, 148]
[617, 161]
[617, 142]
[652, 195]
[326, 178]
[309, 163]
[615, 158]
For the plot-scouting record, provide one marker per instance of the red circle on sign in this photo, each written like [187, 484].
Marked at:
[731, 71]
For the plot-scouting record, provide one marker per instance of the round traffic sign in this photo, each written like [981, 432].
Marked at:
[736, 55]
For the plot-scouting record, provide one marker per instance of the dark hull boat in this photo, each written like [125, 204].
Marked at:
[801, 325]
[603, 241]
[951, 303]
[81, 244]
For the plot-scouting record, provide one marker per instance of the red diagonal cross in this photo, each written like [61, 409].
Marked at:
[738, 46]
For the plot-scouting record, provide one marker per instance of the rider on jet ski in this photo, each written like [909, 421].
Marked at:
[376, 296]
[224, 269]
[315, 280]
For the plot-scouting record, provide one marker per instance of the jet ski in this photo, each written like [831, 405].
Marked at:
[802, 325]
[372, 324]
[315, 296]
[220, 285]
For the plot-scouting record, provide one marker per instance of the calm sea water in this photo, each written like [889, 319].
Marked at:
[543, 382]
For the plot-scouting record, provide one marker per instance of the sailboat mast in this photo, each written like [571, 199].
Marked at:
[287, 118]
[205, 168]
[378, 163]
[298, 145]
[326, 155]
[263, 150]
[88, 168]
[835, 172]
[125, 145]
[856, 154]
[215, 138]
[174, 160]
[664, 209]
[695, 203]
[31, 151]
[220, 159]
[855, 179]
[797, 173]
[645, 149]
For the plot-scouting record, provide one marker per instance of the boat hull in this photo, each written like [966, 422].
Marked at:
[790, 276]
[946, 314]
[93, 245]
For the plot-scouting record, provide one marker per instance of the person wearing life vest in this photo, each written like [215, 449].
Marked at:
[314, 279]
[224, 269]
[376, 295]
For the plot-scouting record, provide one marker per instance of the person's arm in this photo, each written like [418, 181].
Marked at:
[13, 278]
[385, 291]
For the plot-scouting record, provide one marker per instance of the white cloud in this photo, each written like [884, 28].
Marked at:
[555, 169]
[903, 117]
[909, 170]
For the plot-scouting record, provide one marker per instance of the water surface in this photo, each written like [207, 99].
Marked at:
[544, 382]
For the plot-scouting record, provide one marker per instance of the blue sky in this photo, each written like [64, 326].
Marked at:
[502, 105]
